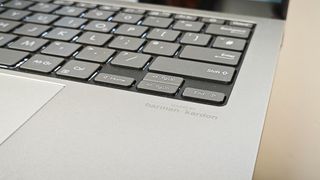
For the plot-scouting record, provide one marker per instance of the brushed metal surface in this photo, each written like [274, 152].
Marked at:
[91, 132]
[20, 98]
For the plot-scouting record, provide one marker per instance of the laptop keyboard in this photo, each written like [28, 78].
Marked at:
[160, 53]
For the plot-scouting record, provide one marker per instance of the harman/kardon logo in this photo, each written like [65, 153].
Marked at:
[181, 109]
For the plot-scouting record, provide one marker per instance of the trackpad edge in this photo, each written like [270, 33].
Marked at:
[20, 99]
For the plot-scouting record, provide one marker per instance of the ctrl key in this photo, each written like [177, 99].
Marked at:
[204, 95]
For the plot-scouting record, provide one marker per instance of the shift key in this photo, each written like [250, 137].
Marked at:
[193, 69]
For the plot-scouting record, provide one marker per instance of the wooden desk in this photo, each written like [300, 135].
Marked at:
[290, 148]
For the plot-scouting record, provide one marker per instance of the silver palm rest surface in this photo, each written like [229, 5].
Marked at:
[92, 132]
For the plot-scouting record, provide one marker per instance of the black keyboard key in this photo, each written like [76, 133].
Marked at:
[42, 63]
[185, 17]
[157, 87]
[157, 22]
[241, 24]
[229, 43]
[188, 26]
[131, 60]
[34, 30]
[195, 39]
[70, 22]
[62, 49]
[193, 69]
[161, 48]
[6, 25]
[44, 7]
[78, 69]
[41, 18]
[127, 18]
[100, 26]
[226, 30]
[92, 38]
[131, 30]
[213, 20]
[204, 95]
[6, 38]
[163, 34]
[14, 14]
[127, 43]
[11, 57]
[95, 54]
[114, 79]
[70, 11]
[28, 44]
[18, 4]
[98, 14]
[210, 55]
[63, 34]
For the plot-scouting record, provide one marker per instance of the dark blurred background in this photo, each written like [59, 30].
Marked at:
[262, 8]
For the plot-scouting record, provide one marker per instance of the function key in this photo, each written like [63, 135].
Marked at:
[185, 17]
[213, 20]
[159, 14]
[165, 79]
[134, 11]
[109, 8]
[114, 79]
[86, 5]
[241, 24]
[205, 95]
[64, 3]
[18, 4]
[157, 87]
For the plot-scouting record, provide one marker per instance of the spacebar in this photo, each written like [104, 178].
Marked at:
[193, 69]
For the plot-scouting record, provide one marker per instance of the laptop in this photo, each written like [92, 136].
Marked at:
[127, 91]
